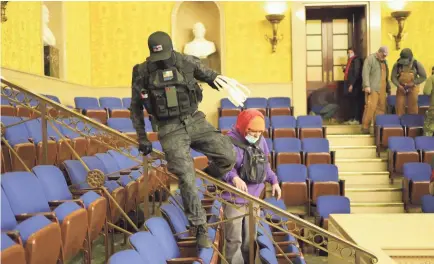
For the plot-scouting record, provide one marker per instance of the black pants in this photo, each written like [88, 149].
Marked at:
[355, 104]
[195, 132]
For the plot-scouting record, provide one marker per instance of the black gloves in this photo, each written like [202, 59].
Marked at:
[145, 146]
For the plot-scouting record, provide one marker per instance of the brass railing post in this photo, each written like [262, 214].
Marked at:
[43, 106]
[145, 187]
[252, 232]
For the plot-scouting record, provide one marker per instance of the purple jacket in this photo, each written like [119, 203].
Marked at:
[253, 189]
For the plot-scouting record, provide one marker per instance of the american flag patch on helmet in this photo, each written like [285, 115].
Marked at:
[157, 48]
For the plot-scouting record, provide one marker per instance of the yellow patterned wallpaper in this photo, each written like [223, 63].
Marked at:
[123, 28]
[420, 28]
[77, 32]
[248, 55]
[21, 39]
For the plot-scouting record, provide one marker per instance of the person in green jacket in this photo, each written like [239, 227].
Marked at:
[375, 83]
[428, 128]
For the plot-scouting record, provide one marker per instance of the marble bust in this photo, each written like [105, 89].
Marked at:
[199, 47]
[47, 34]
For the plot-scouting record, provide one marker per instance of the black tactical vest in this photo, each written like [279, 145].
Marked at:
[170, 93]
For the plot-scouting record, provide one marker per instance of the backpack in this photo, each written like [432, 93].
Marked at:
[253, 167]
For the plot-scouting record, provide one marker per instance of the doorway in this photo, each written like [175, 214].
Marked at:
[330, 31]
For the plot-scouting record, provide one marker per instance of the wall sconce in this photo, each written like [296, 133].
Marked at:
[274, 20]
[400, 17]
[3, 11]
[275, 14]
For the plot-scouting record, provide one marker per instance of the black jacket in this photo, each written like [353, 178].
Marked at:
[354, 76]
[192, 69]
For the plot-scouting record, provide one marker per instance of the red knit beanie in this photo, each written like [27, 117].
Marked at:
[246, 117]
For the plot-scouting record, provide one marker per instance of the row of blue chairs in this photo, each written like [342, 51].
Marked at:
[302, 186]
[272, 106]
[423, 102]
[51, 222]
[415, 183]
[283, 126]
[407, 149]
[393, 125]
[25, 137]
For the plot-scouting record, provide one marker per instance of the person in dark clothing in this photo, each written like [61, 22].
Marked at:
[165, 85]
[353, 86]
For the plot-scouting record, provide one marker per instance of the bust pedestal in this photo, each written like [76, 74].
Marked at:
[51, 61]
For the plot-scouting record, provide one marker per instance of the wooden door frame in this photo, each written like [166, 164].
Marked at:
[298, 29]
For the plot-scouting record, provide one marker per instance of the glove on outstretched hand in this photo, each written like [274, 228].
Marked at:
[145, 146]
[238, 93]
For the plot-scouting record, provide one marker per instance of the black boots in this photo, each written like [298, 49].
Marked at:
[202, 237]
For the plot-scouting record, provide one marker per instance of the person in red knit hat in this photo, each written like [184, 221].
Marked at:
[252, 169]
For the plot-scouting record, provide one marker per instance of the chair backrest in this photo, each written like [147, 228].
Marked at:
[52, 97]
[428, 204]
[35, 130]
[77, 173]
[17, 133]
[148, 125]
[323, 172]
[401, 144]
[73, 123]
[315, 145]
[309, 121]
[129, 256]
[391, 100]
[424, 143]
[287, 145]
[267, 256]
[148, 247]
[162, 232]
[195, 154]
[111, 102]
[227, 122]
[177, 202]
[120, 123]
[332, 204]
[279, 102]
[417, 171]
[424, 100]
[256, 102]
[53, 182]
[123, 161]
[94, 163]
[86, 102]
[8, 221]
[126, 102]
[175, 218]
[292, 172]
[412, 120]
[382, 120]
[226, 104]
[24, 192]
[109, 162]
[283, 122]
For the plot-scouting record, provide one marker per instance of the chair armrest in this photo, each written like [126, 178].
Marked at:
[83, 191]
[292, 110]
[289, 255]
[185, 260]
[125, 172]
[342, 187]
[333, 156]
[15, 236]
[324, 132]
[49, 215]
[113, 178]
[188, 243]
[59, 202]
[190, 238]
[286, 243]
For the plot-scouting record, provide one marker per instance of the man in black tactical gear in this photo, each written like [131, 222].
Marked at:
[165, 85]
